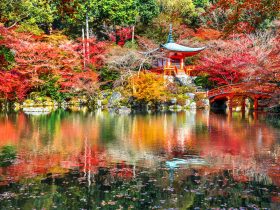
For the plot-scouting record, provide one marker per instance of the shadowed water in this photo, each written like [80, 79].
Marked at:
[97, 160]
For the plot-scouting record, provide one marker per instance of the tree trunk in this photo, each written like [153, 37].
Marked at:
[84, 47]
[133, 34]
[87, 39]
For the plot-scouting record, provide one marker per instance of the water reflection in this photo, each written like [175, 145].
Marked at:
[188, 159]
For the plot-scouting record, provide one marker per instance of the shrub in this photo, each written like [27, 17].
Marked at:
[181, 100]
[29, 28]
[107, 77]
[147, 87]
[204, 82]
[131, 45]
[51, 88]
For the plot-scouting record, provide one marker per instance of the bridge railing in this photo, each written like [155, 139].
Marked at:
[243, 88]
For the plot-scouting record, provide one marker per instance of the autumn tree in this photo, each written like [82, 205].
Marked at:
[46, 66]
[266, 50]
[147, 87]
[13, 86]
[225, 62]
[243, 16]
[242, 58]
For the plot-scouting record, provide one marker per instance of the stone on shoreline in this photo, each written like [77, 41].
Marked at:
[37, 110]
[114, 99]
[123, 110]
[175, 108]
[184, 80]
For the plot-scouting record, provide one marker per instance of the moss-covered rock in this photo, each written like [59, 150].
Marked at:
[175, 108]
[82, 100]
[115, 99]
[104, 102]
[17, 106]
[28, 103]
[39, 102]
[123, 110]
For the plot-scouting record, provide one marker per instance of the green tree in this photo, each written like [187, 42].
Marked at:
[51, 88]
[201, 3]
[178, 9]
[32, 12]
[117, 12]
[148, 10]
[108, 77]
[72, 14]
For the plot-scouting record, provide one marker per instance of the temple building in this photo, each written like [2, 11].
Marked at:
[173, 63]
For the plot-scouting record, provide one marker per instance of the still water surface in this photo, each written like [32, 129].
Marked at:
[97, 160]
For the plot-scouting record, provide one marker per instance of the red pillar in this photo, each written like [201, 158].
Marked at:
[182, 63]
[168, 63]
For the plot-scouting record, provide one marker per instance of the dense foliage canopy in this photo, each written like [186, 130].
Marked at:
[228, 15]
[36, 54]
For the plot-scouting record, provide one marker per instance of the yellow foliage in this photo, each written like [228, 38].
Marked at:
[148, 87]
[55, 38]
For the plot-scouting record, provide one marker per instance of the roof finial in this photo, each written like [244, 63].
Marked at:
[170, 36]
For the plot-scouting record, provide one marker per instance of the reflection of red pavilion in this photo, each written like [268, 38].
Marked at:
[173, 61]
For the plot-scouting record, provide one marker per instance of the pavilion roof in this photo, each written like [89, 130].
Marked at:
[181, 48]
[172, 46]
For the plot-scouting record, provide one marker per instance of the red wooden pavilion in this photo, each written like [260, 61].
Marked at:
[173, 61]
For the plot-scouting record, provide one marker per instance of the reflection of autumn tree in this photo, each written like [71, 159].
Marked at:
[46, 143]
[148, 131]
[55, 142]
[229, 145]
[9, 132]
[232, 137]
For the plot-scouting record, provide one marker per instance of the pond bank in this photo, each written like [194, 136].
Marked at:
[113, 101]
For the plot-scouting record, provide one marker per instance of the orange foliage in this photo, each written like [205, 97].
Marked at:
[207, 34]
[148, 87]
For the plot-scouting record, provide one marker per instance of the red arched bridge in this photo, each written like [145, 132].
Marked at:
[254, 91]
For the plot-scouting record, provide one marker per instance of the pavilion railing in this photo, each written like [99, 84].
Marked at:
[174, 70]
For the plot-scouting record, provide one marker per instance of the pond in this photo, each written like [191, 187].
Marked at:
[99, 160]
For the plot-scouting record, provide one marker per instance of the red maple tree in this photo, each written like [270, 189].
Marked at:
[242, 58]
[36, 59]
[245, 16]
[121, 35]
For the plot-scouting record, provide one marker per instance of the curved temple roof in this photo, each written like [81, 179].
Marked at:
[172, 46]
[180, 48]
